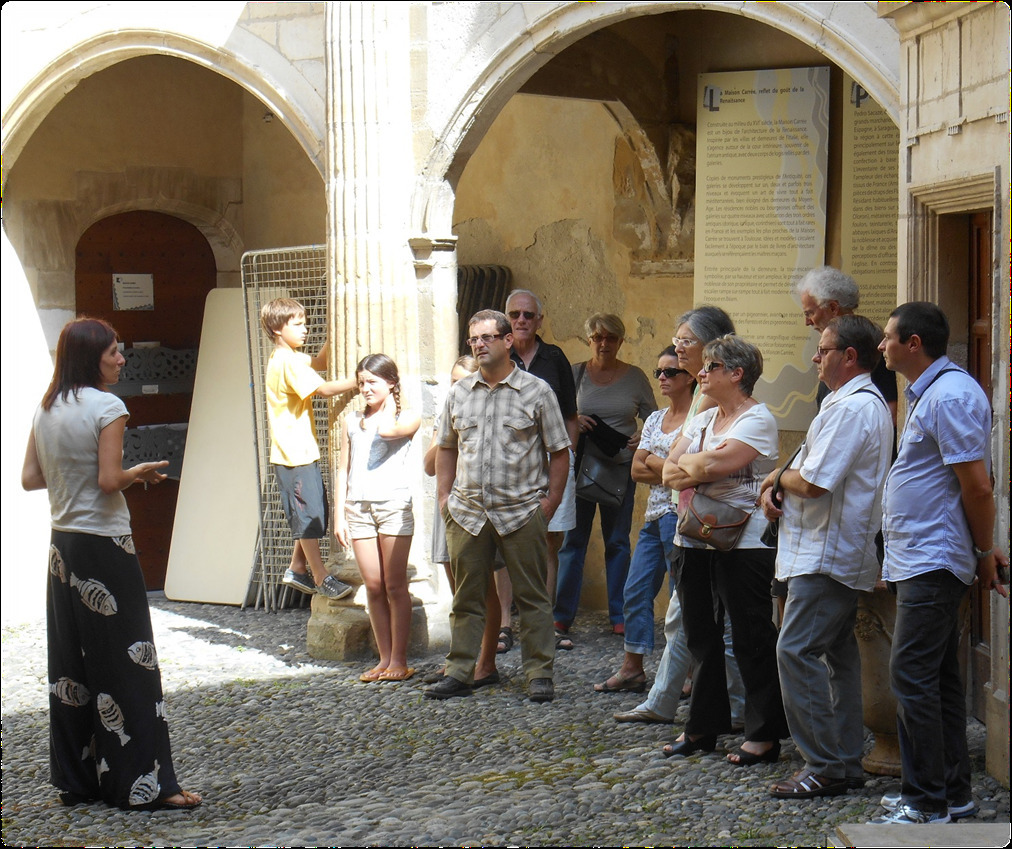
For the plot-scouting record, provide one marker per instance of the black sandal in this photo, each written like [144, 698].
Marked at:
[505, 640]
[562, 641]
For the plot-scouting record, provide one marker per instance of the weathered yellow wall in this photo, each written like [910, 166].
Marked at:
[144, 112]
[284, 200]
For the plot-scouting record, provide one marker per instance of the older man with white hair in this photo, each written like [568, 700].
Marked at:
[542, 359]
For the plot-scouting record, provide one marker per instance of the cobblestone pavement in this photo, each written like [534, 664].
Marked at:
[288, 751]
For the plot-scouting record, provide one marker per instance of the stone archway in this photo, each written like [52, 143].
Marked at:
[258, 68]
[852, 36]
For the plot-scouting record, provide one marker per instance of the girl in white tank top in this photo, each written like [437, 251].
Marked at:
[373, 508]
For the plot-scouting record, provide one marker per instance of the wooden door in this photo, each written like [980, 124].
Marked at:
[182, 265]
[980, 298]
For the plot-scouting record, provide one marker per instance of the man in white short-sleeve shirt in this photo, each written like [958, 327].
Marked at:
[830, 514]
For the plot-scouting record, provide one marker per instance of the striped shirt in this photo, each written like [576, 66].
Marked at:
[503, 435]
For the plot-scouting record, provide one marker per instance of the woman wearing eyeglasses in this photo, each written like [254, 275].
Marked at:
[692, 331]
[650, 561]
[618, 393]
[725, 453]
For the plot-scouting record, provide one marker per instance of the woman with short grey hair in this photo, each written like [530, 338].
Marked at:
[611, 393]
[724, 454]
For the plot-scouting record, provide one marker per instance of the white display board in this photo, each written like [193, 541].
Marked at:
[217, 514]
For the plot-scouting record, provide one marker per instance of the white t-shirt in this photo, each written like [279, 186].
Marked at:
[66, 440]
[378, 469]
[756, 428]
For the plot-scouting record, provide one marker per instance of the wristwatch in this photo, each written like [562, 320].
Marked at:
[980, 555]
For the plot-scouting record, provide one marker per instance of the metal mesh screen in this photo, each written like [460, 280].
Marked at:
[298, 273]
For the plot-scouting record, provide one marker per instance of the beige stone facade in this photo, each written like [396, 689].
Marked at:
[412, 138]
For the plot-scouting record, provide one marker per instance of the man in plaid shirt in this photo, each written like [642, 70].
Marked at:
[500, 473]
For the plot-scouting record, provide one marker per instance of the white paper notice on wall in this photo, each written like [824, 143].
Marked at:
[133, 291]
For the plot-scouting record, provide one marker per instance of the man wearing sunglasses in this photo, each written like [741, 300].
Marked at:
[542, 359]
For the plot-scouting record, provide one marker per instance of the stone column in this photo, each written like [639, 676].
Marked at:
[372, 299]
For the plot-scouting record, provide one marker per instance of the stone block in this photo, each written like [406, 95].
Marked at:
[340, 630]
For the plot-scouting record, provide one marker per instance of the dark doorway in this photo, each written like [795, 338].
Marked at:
[183, 271]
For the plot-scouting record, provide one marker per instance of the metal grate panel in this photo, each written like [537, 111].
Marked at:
[298, 273]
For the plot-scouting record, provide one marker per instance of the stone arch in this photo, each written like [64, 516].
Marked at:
[251, 63]
[852, 36]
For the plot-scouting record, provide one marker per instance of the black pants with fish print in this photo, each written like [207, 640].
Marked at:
[108, 733]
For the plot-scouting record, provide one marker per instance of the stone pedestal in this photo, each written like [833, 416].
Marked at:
[340, 629]
[876, 618]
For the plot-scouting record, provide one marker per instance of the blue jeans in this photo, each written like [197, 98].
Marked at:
[646, 574]
[931, 714]
[616, 523]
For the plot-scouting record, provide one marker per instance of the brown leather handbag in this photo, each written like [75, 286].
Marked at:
[713, 522]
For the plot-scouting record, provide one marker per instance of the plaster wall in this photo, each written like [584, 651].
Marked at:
[283, 196]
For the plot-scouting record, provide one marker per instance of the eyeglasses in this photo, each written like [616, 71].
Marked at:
[708, 367]
[485, 339]
[823, 351]
[515, 314]
[598, 338]
[683, 341]
[668, 372]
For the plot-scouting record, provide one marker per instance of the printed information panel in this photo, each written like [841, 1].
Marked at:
[761, 208]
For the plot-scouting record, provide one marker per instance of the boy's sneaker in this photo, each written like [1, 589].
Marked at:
[891, 801]
[299, 581]
[906, 815]
[333, 588]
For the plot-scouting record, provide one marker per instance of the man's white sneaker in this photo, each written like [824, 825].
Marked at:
[905, 815]
[891, 801]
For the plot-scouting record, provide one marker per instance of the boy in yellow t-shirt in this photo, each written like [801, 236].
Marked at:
[292, 381]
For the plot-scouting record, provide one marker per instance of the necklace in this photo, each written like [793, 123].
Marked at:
[601, 379]
[730, 416]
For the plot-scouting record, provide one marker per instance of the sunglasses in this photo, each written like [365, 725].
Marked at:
[668, 372]
[515, 314]
[708, 367]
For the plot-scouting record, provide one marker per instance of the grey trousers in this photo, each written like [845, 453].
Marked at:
[820, 675]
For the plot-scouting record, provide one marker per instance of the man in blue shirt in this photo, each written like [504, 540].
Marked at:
[938, 524]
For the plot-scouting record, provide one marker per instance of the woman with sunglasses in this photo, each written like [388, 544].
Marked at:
[650, 560]
[725, 453]
[617, 393]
